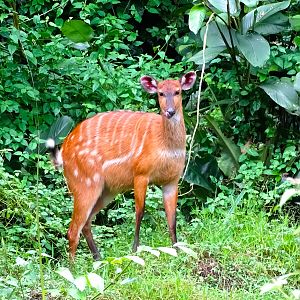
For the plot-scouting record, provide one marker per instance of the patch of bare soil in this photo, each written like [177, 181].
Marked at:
[209, 270]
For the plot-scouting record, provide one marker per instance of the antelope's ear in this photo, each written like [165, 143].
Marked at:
[149, 84]
[187, 81]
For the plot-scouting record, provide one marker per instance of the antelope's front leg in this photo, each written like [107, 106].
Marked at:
[170, 195]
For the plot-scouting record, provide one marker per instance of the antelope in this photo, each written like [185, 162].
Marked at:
[116, 151]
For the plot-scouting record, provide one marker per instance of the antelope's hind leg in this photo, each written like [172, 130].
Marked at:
[85, 199]
[105, 198]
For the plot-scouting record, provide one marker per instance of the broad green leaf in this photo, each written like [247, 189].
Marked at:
[272, 25]
[209, 54]
[297, 82]
[136, 259]
[214, 37]
[257, 15]
[222, 6]
[12, 49]
[295, 22]
[96, 281]
[66, 273]
[77, 31]
[227, 164]
[200, 170]
[250, 3]
[170, 251]
[284, 94]
[60, 129]
[196, 18]
[297, 41]
[254, 47]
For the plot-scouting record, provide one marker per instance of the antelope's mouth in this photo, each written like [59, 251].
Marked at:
[170, 113]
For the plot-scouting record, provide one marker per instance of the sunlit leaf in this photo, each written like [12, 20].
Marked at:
[196, 17]
[96, 281]
[170, 251]
[77, 31]
[148, 249]
[222, 5]
[80, 283]
[250, 3]
[295, 22]
[21, 262]
[127, 280]
[288, 194]
[186, 250]
[275, 284]
[297, 82]
[136, 259]
[66, 273]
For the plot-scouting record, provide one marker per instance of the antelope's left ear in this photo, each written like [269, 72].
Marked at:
[188, 80]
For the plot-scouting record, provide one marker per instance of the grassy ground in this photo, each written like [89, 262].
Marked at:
[236, 256]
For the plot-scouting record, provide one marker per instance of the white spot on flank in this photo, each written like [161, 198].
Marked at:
[94, 152]
[80, 139]
[91, 161]
[72, 137]
[82, 152]
[96, 177]
[88, 181]
[76, 172]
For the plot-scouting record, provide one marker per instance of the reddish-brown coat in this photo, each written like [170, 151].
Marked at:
[116, 151]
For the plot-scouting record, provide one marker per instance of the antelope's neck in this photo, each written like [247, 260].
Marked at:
[174, 131]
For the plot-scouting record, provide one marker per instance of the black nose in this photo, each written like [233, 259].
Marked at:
[170, 112]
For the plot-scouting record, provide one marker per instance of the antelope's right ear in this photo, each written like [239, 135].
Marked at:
[149, 84]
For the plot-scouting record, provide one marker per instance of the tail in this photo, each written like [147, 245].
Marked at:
[55, 153]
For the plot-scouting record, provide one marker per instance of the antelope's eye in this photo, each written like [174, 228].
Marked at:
[161, 94]
[177, 93]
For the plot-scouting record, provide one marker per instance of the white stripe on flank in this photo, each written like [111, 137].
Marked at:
[124, 158]
[174, 153]
[124, 128]
[140, 149]
[117, 161]
[113, 141]
[98, 126]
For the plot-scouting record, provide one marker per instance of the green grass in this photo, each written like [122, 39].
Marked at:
[236, 256]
